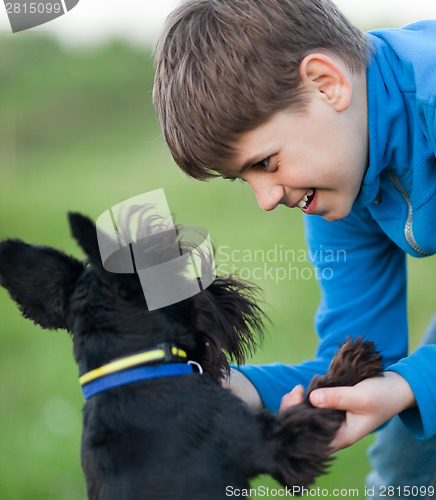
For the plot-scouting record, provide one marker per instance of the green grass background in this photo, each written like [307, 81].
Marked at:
[78, 132]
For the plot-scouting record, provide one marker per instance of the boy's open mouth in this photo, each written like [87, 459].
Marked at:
[305, 202]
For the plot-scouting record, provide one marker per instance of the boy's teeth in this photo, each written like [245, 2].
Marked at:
[303, 202]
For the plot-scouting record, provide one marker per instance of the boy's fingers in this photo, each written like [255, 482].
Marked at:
[293, 398]
[339, 398]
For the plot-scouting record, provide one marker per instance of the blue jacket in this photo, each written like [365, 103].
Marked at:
[363, 286]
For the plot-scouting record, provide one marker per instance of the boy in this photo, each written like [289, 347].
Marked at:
[293, 99]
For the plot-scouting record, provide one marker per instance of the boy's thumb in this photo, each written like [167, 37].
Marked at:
[338, 398]
[317, 398]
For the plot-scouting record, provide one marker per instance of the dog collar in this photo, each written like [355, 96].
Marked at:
[134, 368]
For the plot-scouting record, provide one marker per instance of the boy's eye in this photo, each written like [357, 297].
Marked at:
[263, 163]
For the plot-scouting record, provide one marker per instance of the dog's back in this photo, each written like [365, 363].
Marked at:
[178, 435]
[172, 439]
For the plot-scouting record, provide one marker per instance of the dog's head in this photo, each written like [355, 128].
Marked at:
[107, 313]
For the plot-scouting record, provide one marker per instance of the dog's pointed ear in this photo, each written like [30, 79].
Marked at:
[40, 279]
[229, 318]
[84, 231]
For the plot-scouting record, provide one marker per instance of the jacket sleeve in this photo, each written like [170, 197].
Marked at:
[419, 371]
[362, 277]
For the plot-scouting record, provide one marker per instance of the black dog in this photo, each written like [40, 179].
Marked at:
[171, 437]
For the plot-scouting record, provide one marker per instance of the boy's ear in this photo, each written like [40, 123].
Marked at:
[320, 72]
[40, 279]
[230, 319]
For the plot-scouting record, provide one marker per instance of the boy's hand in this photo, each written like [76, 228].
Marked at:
[243, 388]
[295, 397]
[368, 404]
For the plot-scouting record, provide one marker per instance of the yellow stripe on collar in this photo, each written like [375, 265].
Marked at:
[129, 361]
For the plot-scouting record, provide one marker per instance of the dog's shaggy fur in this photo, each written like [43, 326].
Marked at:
[181, 437]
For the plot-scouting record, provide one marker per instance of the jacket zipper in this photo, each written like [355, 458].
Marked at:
[408, 231]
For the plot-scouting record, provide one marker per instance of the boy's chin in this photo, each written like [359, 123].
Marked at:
[335, 215]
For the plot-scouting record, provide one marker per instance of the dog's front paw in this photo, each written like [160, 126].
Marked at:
[356, 360]
[302, 436]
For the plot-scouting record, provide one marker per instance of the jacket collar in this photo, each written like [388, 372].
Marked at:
[387, 121]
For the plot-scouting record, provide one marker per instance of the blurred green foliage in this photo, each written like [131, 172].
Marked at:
[78, 133]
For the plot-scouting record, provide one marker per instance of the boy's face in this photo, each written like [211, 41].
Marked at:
[318, 153]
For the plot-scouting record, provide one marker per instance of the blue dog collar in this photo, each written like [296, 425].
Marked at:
[165, 361]
[136, 375]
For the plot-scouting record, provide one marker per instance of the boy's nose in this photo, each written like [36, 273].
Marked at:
[268, 197]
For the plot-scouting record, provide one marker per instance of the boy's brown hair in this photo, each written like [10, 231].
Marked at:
[223, 67]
